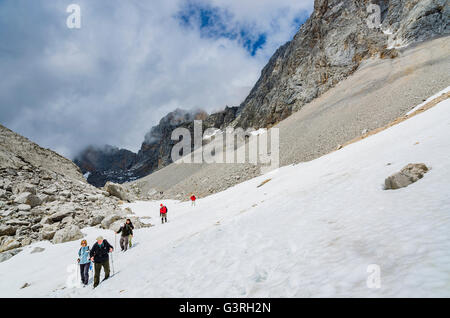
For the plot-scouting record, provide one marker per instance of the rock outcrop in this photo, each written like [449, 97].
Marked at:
[408, 175]
[118, 191]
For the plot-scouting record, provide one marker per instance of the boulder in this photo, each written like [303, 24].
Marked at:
[3, 194]
[66, 194]
[50, 191]
[118, 191]
[8, 244]
[47, 198]
[110, 219]
[24, 207]
[25, 187]
[25, 241]
[47, 234]
[7, 230]
[408, 175]
[60, 215]
[17, 223]
[28, 198]
[115, 226]
[67, 234]
[94, 198]
[36, 227]
[95, 220]
[7, 255]
[67, 220]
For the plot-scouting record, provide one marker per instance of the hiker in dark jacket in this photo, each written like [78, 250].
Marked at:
[99, 255]
[127, 231]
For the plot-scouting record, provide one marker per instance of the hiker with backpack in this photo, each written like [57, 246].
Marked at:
[127, 232]
[84, 262]
[163, 213]
[99, 255]
[193, 198]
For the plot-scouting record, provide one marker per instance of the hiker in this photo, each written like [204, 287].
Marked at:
[84, 262]
[127, 231]
[99, 255]
[163, 213]
[193, 198]
[131, 235]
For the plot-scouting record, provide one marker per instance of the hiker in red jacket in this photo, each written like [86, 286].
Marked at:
[163, 213]
[193, 198]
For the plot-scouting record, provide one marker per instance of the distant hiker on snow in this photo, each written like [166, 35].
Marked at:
[193, 198]
[131, 235]
[99, 255]
[163, 213]
[84, 261]
[127, 232]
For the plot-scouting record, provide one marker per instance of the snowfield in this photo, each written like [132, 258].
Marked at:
[313, 230]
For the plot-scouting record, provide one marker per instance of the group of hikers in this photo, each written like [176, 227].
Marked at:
[99, 254]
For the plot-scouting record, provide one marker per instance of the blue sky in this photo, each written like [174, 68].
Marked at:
[131, 63]
[211, 22]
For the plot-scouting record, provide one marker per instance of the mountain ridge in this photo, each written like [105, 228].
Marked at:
[329, 47]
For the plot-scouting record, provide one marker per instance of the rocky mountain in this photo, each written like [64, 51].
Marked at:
[103, 164]
[43, 196]
[327, 49]
[330, 46]
[107, 163]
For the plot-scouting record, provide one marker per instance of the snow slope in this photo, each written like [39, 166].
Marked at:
[312, 231]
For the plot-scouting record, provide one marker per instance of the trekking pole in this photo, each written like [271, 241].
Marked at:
[76, 269]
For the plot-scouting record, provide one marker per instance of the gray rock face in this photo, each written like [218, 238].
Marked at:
[330, 46]
[67, 234]
[408, 175]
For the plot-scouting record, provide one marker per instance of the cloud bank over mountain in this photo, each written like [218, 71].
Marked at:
[130, 63]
